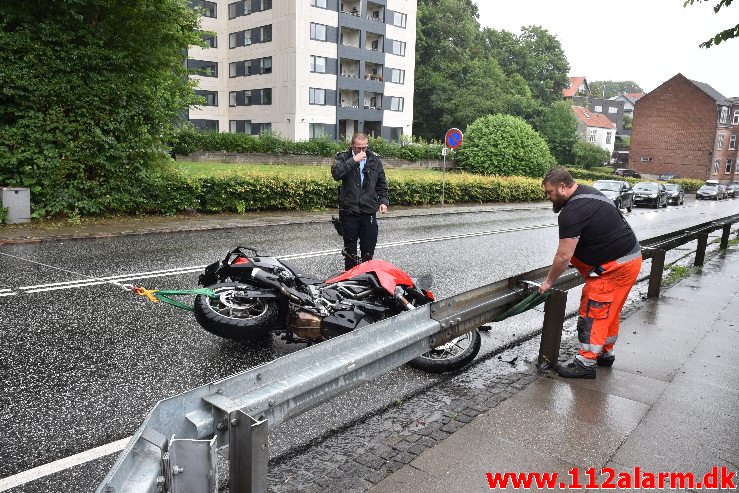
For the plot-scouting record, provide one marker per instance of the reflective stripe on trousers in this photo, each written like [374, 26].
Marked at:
[602, 299]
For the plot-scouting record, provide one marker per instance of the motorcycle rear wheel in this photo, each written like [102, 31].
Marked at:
[235, 317]
[450, 356]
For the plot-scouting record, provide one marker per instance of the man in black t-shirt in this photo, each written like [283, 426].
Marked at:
[597, 240]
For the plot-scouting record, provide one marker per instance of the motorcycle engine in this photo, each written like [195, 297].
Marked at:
[305, 324]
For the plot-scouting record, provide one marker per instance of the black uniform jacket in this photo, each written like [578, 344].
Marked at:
[367, 198]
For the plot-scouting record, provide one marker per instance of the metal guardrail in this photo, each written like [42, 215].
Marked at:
[174, 450]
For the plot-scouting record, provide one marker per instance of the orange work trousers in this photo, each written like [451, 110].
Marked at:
[602, 299]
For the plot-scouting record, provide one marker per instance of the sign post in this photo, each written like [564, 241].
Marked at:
[452, 139]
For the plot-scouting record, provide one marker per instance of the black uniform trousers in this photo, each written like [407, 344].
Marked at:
[362, 227]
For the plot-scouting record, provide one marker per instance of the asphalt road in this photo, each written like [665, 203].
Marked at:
[83, 361]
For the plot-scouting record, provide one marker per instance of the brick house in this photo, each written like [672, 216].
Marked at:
[595, 128]
[579, 94]
[687, 128]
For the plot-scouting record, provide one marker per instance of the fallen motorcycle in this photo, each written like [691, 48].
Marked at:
[259, 295]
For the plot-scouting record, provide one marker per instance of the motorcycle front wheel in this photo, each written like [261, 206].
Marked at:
[451, 356]
[234, 316]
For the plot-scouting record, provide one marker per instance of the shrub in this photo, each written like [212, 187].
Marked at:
[3, 214]
[504, 145]
[588, 155]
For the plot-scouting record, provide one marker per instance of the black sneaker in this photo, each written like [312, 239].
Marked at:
[575, 369]
[605, 360]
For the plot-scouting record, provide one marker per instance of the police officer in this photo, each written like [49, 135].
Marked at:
[597, 240]
[364, 191]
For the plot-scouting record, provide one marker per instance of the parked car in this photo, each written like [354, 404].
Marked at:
[732, 189]
[650, 193]
[667, 176]
[711, 190]
[675, 193]
[618, 191]
[626, 172]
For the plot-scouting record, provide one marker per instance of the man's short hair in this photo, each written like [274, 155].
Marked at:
[557, 176]
[358, 136]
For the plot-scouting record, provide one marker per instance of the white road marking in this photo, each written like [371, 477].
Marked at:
[62, 464]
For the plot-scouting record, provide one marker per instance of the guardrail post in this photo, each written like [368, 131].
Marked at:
[551, 334]
[700, 252]
[725, 237]
[248, 454]
[655, 274]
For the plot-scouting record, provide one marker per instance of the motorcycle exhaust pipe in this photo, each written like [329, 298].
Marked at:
[402, 300]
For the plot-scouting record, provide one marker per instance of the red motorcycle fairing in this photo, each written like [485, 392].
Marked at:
[388, 274]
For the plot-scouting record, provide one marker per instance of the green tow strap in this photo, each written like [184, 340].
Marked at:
[526, 304]
[164, 296]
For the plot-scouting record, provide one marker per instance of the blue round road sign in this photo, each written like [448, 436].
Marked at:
[454, 138]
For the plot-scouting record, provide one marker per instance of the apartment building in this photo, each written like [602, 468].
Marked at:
[306, 68]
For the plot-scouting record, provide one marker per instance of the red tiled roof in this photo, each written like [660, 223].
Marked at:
[592, 119]
[575, 83]
[634, 96]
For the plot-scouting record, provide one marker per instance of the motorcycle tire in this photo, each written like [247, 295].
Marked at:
[450, 356]
[240, 319]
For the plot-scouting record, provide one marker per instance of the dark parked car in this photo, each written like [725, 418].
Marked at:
[626, 172]
[675, 193]
[711, 190]
[732, 190]
[618, 191]
[650, 193]
[667, 176]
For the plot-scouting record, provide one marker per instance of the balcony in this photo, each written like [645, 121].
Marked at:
[375, 12]
[349, 99]
[351, 8]
[373, 71]
[374, 42]
[372, 101]
[350, 37]
[349, 68]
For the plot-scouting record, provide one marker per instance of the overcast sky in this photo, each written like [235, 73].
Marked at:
[647, 41]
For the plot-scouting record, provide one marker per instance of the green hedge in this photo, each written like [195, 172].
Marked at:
[187, 141]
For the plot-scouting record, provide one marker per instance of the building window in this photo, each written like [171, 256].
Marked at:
[262, 34]
[246, 7]
[608, 137]
[211, 41]
[720, 142]
[317, 130]
[211, 125]
[318, 3]
[396, 104]
[612, 109]
[732, 142]
[318, 64]
[261, 128]
[317, 96]
[211, 97]
[256, 66]
[735, 119]
[598, 109]
[250, 98]
[716, 166]
[208, 9]
[729, 165]
[399, 19]
[591, 136]
[239, 126]
[724, 114]
[317, 31]
[203, 68]
[397, 76]
[396, 133]
[399, 48]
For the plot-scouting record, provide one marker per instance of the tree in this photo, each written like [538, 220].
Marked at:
[588, 155]
[536, 55]
[89, 91]
[724, 35]
[607, 89]
[504, 145]
[558, 125]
